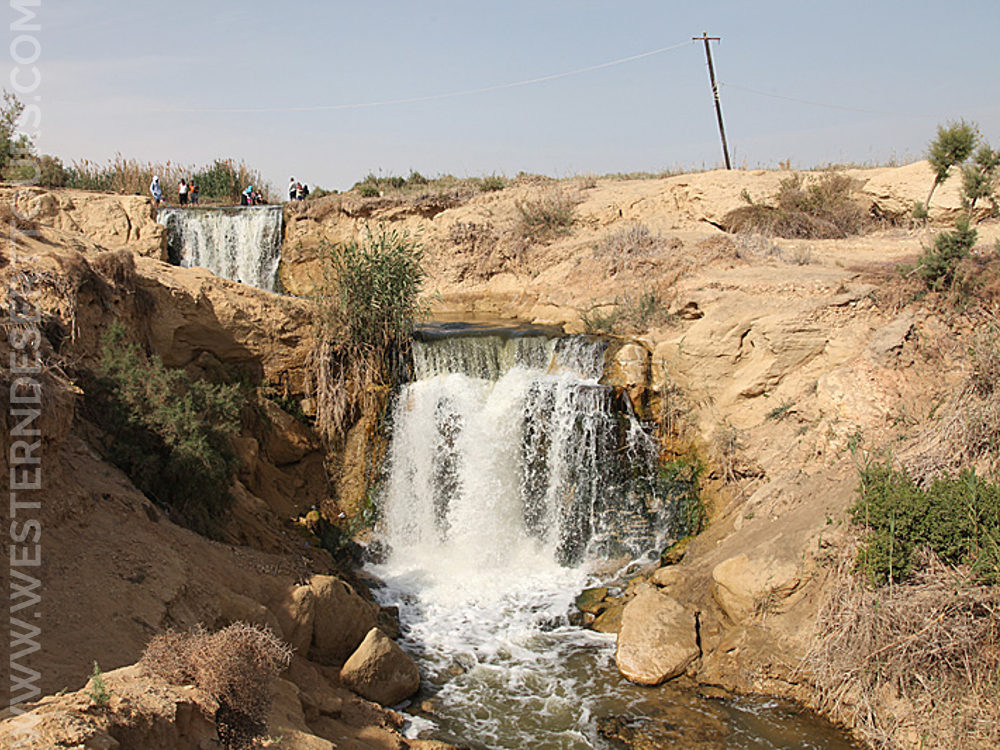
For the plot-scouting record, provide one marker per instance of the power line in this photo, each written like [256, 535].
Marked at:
[432, 97]
[818, 104]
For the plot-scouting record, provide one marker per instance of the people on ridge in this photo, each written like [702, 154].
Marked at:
[154, 188]
[246, 197]
[291, 189]
[182, 193]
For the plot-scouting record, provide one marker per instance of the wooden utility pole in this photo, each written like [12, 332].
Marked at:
[715, 90]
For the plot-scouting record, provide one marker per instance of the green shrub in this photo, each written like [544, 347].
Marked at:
[952, 146]
[368, 190]
[937, 264]
[958, 519]
[365, 310]
[546, 217]
[98, 692]
[169, 433]
[492, 183]
[979, 179]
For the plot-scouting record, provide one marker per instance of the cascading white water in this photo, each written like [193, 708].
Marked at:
[242, 244]
[508, 467]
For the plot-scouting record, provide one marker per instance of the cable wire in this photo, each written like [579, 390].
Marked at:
[432, 97]
[815, 103]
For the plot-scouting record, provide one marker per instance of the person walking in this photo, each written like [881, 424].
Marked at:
[182, 193]
[195, 194]
[154, 188]
[291, 189]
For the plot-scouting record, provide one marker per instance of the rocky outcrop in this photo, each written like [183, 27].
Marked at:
[380, 671]
[342, 619]
[113, 222]
[195, 312]
[657, 640]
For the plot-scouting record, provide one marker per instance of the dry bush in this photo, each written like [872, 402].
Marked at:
[486, 251]
[911, 664]
[967, 433]
[544, 218]
[12, 220]
[235, 666]
[819, 208]
[632, 247]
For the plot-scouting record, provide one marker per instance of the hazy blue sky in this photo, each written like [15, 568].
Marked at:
[117, 72]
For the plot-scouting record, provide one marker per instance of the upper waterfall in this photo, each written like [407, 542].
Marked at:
[242, 244]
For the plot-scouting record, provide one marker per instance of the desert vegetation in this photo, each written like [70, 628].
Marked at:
[167, 431]
[416, 184]
[816, 207]
[908, 641]
[365, 310]
[546, 217]
[236, 668]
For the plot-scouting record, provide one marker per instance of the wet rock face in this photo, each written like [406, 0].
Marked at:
[379, 670]
[657, 640]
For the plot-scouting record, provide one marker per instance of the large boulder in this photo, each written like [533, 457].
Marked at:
[342, 619]
[743, 586]
[296, 613]
[657, 639]
[380, 671]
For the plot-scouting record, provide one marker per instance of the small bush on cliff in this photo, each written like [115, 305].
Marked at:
[365, 309]
[937, 263]
[819, 208]
[630, 314]
[958, 519]
[235, 666]
[545, 217]
[169, 433]
[98, 692]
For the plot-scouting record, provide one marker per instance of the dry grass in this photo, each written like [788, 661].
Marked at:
[633, 247]
[546, 217]
[913, 665]
[132, 177]
[818, 208]
[967, 432]
[235, 666]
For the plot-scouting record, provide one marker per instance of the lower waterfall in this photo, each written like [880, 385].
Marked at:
[238, 243]
[511, 473]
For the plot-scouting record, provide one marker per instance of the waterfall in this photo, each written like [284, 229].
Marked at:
[243, 244]
[511, 471]
[505, 445]
[511, 467]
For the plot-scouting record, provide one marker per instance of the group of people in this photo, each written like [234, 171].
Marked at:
[189, 193]
[251, 197]
[297, 191]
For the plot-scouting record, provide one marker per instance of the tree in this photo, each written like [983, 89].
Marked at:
[953, 145]
[11, 144]
[979, 178]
